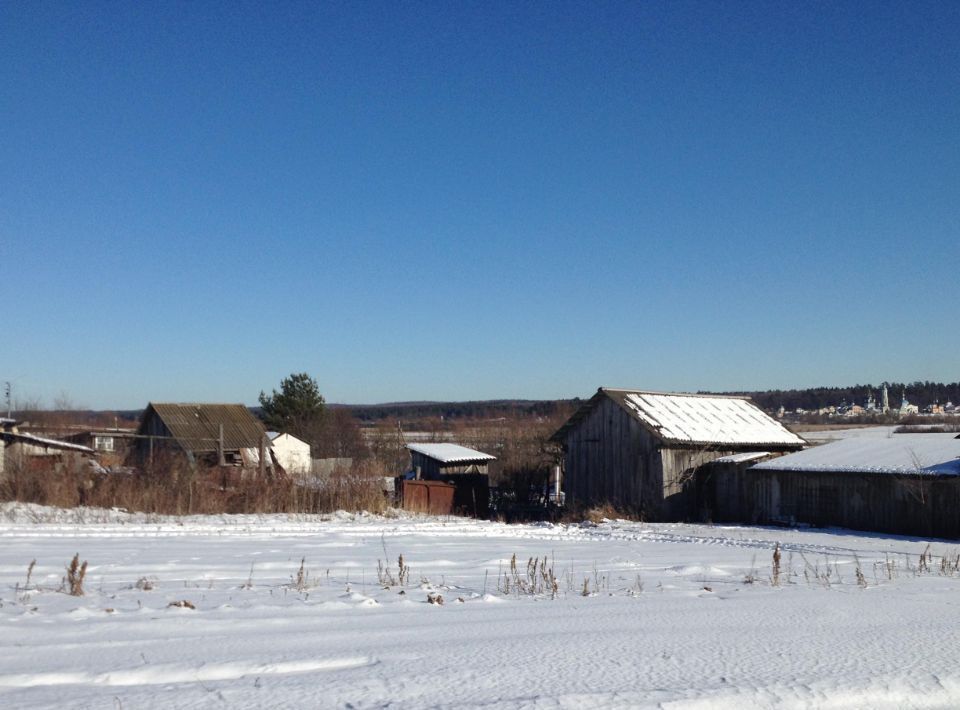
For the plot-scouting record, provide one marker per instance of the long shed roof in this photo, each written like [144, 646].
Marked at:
[196, 427]
[937, 454]
[43, 442]
[450, 453]
[694, 419]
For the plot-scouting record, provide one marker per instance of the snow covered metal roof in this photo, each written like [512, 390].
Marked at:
[704, 420]
[707, 419]
[450, 453]
[933, 454]
[44, 442]
[694, 420]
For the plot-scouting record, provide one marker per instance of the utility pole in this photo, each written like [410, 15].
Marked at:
[6, 390]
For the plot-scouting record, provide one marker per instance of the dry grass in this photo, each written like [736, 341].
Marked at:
[177, 490]
[385, 575]
[538, 579]
[775, 569]
[75, 575]
[598, 514]
[300, 583]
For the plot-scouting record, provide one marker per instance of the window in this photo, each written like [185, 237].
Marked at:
[103, 443]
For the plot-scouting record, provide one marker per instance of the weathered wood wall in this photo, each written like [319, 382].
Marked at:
[607, 460]
[147, 448]
[680, 466]
[907, 505]
[611, 458]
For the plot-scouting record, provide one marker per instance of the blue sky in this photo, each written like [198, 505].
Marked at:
[460, 201]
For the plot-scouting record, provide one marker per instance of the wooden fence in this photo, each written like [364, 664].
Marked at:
[908, 504]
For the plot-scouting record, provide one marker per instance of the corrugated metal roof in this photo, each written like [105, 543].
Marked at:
[708, 419]
[695, 419]
[450, 453]
[937, 454]
[196, 427]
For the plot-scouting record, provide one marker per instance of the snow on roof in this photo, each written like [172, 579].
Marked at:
[824, 435]
[450, 453]
[898, 454]
[45, 443]
[744, 457]
[705, 419]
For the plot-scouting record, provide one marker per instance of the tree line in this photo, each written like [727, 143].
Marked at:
[481, 409]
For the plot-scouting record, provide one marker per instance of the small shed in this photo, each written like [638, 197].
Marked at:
[448, 478]
[292, 453]
[111, 443]
[19, 449]
[436, 460]
[639, 450]
[905, 484]
[207, 434]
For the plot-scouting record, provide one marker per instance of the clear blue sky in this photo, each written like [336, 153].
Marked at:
[471, 201]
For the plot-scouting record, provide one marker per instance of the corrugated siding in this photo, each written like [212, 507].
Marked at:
[450, 453]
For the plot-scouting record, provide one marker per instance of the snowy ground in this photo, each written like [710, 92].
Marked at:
[677, 616]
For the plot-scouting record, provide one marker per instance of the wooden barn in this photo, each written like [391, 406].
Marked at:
[907, 484]
[205, 434]
[447, 479]
[639, 450]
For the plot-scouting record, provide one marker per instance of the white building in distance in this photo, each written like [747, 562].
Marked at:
[292, 453]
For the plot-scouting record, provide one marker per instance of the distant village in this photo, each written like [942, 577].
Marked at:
[874, 407]
[657, 456]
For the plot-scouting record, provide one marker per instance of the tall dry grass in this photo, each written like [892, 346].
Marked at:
[176, 489]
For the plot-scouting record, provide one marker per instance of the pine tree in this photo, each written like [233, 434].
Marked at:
[297, 409]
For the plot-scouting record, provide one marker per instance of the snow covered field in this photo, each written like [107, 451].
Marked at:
[676, 616]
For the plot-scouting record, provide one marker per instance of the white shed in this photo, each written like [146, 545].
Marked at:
[292, 453]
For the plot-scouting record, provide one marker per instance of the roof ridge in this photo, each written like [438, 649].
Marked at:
[658, 393]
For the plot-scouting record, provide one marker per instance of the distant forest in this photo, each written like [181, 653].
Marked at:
[919, 393]
[484, 409]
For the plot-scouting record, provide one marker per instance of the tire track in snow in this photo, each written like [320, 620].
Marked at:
[178, 673]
